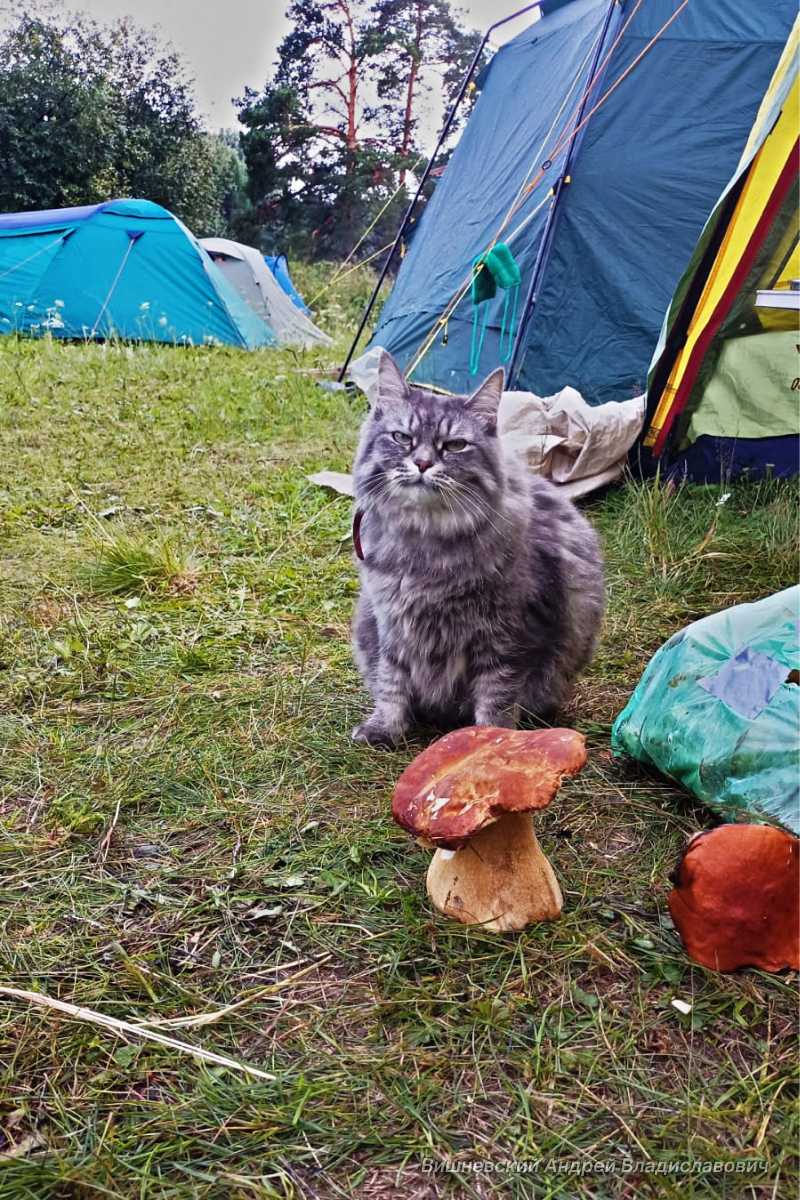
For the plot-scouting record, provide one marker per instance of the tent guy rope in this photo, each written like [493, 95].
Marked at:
[522, 194]
[340, 274]
[126, 256]
[31, 257]
[561, 145]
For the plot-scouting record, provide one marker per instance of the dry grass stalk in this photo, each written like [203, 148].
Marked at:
[79, 1013]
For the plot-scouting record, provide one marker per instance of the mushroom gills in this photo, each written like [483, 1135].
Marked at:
[500, 879]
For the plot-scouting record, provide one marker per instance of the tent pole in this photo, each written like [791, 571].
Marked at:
[424, 179]
[514, 366]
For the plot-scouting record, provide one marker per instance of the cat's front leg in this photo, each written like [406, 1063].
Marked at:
[390, 718]
[494, 697]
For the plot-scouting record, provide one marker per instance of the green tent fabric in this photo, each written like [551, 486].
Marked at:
[125, 268]
[747, 391]
[718, 710]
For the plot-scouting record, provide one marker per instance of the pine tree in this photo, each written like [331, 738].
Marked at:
[329, 140]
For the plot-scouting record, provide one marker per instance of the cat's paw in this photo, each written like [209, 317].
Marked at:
[369, 734]
[497, 720]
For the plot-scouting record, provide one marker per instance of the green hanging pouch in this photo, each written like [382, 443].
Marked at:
[495, 269]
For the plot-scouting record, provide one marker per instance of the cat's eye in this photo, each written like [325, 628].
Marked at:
[456, 444]
[402, 439]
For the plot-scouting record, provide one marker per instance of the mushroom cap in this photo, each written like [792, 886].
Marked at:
[472, 776]
[736, 900]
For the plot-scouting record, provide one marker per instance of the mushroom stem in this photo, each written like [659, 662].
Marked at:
[500, 879]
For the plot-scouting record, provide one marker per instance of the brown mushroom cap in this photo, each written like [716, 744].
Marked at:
[736, 900]
[470, 777]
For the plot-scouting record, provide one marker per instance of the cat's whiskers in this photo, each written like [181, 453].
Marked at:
[468, 504]
[474, 512]
[450, 508]
[493, 512]
[475, 493]
[447, 492]
[379, 487]
[477, 504]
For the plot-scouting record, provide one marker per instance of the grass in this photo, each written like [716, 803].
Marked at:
[129, 562]
[186, 829]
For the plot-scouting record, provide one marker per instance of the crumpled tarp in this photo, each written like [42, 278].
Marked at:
[718, 710]
[577, 446]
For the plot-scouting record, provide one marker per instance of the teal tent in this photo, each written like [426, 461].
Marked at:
[125, 268]
[600, 141]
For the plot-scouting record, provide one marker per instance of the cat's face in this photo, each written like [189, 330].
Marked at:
[427, 458]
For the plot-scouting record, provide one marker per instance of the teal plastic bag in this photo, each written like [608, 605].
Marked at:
[718, 710]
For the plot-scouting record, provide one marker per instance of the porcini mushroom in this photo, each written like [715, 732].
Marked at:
[471, 795]
[736, 899]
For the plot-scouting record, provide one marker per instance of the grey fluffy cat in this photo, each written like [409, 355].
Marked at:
[481, 585]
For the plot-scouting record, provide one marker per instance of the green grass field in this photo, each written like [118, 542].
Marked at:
[187, 832]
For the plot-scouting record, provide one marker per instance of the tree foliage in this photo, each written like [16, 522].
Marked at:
[329, 140]
[88, 113]
[422, 39]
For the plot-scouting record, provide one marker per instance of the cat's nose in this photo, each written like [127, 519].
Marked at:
[423, 465]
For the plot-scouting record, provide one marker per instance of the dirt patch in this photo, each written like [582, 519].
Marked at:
[25, 812]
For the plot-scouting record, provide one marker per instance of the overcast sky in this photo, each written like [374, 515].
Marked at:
[230, 44]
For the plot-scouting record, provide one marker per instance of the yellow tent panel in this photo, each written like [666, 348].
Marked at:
[750, 242]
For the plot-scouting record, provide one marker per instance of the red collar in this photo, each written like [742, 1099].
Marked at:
[357, 518]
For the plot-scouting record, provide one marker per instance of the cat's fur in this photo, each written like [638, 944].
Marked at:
[481, 585]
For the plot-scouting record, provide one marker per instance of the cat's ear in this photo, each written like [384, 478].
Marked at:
[392, 386]
[485, 401]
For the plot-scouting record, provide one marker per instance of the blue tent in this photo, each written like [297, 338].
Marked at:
[602, 223]
[126, 268]
[279, 265]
